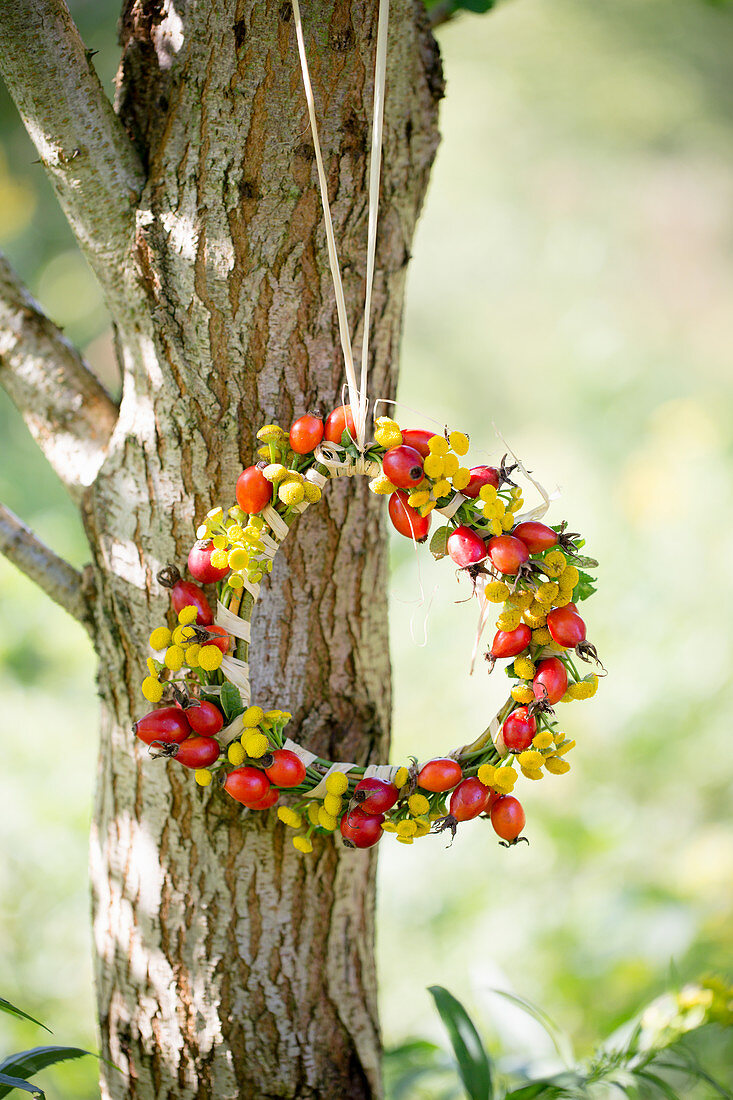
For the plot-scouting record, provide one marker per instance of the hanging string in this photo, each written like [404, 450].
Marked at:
[357, 395]
[375, 167]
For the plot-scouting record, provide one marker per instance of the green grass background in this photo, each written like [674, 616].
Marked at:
[571, 285]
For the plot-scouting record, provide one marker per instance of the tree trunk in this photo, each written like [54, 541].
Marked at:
[229, 965]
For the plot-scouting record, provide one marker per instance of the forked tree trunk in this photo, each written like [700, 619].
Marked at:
[229, 965]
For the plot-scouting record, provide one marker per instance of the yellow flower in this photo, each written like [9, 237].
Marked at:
[442, 488]
[381, 485]
[459, 442]
[152, 689]
[192, 655]
[302, 844]
[563, 598]
[434, 465]
[406, 828]
[275, 472]
[160, 638]
[461, 478]
[496, 591]
[427, 508]
[418, 498]
[569, 578]
[520, 600]
[203, 777]
[219, 543]
[312, 493]
[555, 563]
[418, 804]
[535, 615]
[524, 667]
[486, 775]
[438, 445]
[423, 827]
[210, 657]
[495, 526]
[174, 658]
[214, 516]
[556, 766]
[450, 465]
[546, 593]
[386, 424]
[505, 779]
[507, 521]
[271, 433]
[181, 634]
[312, 810]
[487, 493]
[494, 509]
[584, 689]
[152, 668]
[389, 827]
[235, 754]
[337, 783]
[522, 693]
[515, 504]
[291, 493]
[541, 636]
[326, 820]
[252, 716]
[563, 748]
[531, 773]
[219, 559]
[405, 839]
[401, 777]
[333, 804]
[289, 816]
[542, 740]
[388, 437]
[531, 759]
[256, 745]
[238, 558]
[509, 620]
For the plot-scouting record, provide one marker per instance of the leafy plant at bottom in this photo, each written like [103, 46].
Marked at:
[16, 1069]
[646, 1059]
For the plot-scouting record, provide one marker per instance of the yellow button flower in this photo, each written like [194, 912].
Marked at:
[556, 766]
[509, 620]
[152, 689]
[486, 775]
[442, 488]
[524, 667]
[333, 804]
[406, 828]
[326, 820]
[256, 745]
[210, 657]
[252, 716]
[312, 493]
[418, 498]
[505, 779]
[160, 638]
[203, 777]
[461, 478]
[337, 783]
[291, 493]
[289, 817]
[459, 442]
[522, 693]
[238, 558]
[541, 636]
[236, 754]
[438, 445]
[418, 804]
[174, 658]
[401, 777]
[302, 844]
[450, 465]
[381, 485]
[542, 740]
[218, 559]
[434, 465]
[496, 591]
[487, 493]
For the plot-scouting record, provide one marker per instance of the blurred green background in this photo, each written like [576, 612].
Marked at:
[572, 284]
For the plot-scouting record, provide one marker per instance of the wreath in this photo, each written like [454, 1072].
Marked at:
[532, 573]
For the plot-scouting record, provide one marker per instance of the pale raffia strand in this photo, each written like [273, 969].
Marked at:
[357, 394]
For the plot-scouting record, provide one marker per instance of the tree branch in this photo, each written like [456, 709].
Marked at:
[68, 411]
[55, 576]
[93, 166]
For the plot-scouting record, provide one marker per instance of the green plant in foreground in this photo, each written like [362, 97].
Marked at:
[16, 1069]
[647, 1058]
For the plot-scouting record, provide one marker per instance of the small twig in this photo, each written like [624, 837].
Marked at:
[59, 580]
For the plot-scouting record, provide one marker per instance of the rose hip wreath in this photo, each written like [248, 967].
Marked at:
[200, 667]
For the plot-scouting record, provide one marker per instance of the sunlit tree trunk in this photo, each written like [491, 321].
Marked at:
[227, 965]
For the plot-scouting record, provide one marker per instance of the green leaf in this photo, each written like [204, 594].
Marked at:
[28, 1062]
[582, 562]
[231, 702]
[560, 1041]
[19, 1083]
[451, 8]
[439, 543]
[474, 1064]
[13, 1010]
[553, 1085]
[658, 1084]
[584, 588]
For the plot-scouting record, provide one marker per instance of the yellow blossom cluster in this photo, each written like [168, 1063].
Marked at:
[182, 647]
[499, 512]
[239, 544]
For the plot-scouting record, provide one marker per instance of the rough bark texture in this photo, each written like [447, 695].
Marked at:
[228, 965]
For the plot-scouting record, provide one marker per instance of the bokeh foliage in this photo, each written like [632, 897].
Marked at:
[571, 283]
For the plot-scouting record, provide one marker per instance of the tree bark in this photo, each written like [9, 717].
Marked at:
[229, 965]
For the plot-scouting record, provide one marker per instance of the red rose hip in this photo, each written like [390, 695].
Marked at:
[205, 718]
[253, 490]
[403, 466]
[566, 627]
[507, 817]
[480, 476]
[465, 547]
[374, 795]
[407, 520]
[510, 643]
[535, 536]
[199, 564]
[519, 730]
[168, 724]
[338, 422]
[550, 681]
[197, 752]
[507, 553]
[305, 434]
[247, 784]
